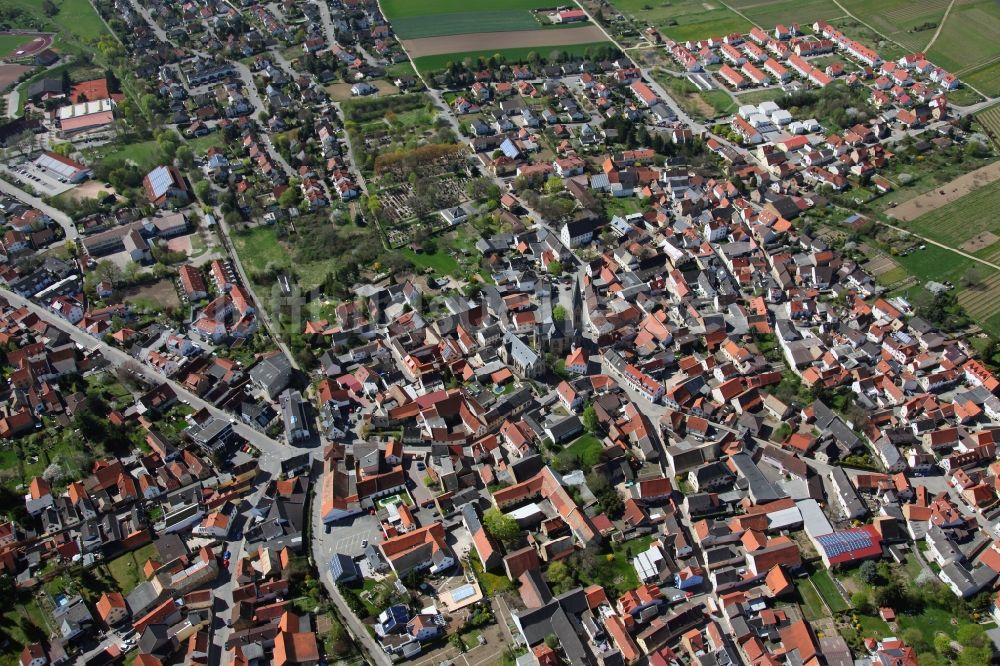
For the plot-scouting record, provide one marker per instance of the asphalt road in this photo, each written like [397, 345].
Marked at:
[60, 217]
[272, 452]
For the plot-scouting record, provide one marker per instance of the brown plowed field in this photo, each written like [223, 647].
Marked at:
[944, 194]
[486, 41]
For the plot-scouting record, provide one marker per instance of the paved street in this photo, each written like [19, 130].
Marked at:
[60, 217]
[274, 450]
[323, 547]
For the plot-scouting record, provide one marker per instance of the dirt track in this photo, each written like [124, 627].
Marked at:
[945, 194]
[489, 41]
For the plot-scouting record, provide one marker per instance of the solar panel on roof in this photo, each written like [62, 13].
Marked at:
[160, 181]
[838, 543]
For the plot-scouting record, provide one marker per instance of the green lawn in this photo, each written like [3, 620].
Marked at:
[935, 263]
[720, 100]
[812, 605]
[619, 576]
[872, 626]
[758, 96]
[893, 276]
[930, 621]
[623, 206]
[442, 262]
[259, 247]
[434, 63]
[201, 144]
[491, 583]
[588, 449]
[828, 590]
[127, 569]
[404, 68]
[23, 624]
[145, 154]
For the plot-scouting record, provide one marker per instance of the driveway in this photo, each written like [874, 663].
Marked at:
[419, 491]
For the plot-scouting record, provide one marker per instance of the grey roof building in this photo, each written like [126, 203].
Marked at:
[272, 374]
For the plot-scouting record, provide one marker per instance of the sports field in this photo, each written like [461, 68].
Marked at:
[8, 43]
[413, 19]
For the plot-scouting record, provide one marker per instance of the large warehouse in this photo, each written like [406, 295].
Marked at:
[58, 166]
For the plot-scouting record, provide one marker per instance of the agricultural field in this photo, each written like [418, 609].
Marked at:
[912, 24]
[415, 20]
[685, 19]
[986, 79]
[982, 301]
[491, 42]
[969, 40]
[989, 120]
[438, 62]
[952, 210]
[769, 13]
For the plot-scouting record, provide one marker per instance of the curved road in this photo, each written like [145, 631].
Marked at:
[271, 455]
[62, 218]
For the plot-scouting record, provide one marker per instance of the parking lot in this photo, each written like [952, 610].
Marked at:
[346, 537]
[44, 183]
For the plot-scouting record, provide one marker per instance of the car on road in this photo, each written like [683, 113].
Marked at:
[364, 543]
[420, 466]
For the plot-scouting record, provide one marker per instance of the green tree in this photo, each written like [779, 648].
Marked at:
[860, 601]
[185, 156]
[290, 198]
[559, 313]
[942, 644]
[589, 418]
[502, 528]
[202, 190]
[560, 577]
[868, 572]
[555, 268]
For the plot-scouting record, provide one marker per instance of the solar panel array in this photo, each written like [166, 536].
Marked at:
[49, 163]
[160, 181]
[838, 543]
